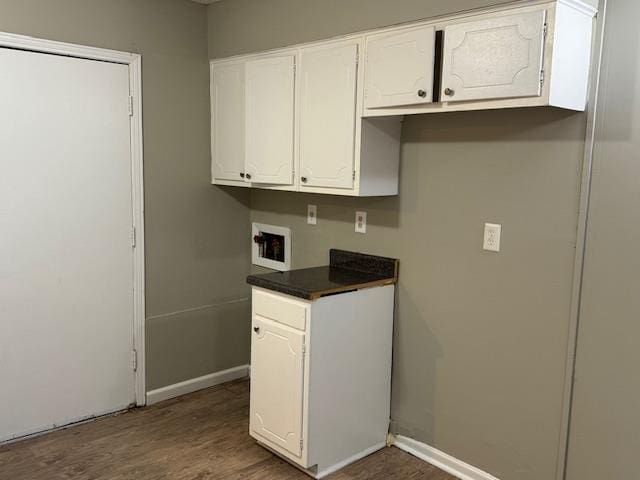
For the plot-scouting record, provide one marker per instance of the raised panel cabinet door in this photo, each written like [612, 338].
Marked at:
[328, 77]
[399, 68]
[227, 121]
[277, 384]
[499, 57]
[269, 114]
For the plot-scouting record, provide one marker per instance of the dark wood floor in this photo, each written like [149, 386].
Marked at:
[201, 436]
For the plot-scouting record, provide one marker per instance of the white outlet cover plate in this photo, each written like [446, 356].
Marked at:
[312, 214]
[492, 233]
[361, 222]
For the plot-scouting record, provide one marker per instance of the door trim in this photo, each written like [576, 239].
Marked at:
[134, 62]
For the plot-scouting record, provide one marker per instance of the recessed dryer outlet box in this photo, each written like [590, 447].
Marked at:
[271, 246]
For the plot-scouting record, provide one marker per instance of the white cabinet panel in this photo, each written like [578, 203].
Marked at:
[277, 383]
[227, 121]
[327, 115]
[399, 68]
[319, 400]
[269, 115]
[500, 57]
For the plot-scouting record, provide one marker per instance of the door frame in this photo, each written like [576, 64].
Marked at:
[134, 62]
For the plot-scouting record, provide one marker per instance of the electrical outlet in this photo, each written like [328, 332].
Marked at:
[492, 232]
[361, 222]
[312, 214]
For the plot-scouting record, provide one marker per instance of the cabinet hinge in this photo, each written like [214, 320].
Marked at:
[134, 360]
[301, 443]
[353, 176]
[541, 77]
[133, 237]
[545, 28]
[130, 106]
[357, 58]
[304, 348]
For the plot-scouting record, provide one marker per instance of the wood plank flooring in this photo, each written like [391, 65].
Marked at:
[201, 436]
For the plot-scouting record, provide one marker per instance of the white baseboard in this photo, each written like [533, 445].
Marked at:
[445, 462]
[195, 384]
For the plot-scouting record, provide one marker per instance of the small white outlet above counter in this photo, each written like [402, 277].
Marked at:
[325, 117]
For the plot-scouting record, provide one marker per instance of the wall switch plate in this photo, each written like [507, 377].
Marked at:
[492, 232]
[312, 214]
[361, 222]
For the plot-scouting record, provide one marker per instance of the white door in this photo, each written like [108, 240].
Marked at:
[269, 114]
[328, 77]
[277, 379]
[499, 57]
[227, 121]
[399, 68]
[66, 259]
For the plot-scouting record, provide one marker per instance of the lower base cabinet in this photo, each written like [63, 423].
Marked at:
[321, 376]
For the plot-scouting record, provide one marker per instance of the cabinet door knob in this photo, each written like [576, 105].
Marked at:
[304, 179]
[256, 329]
[241, 174]
[422, 93]
[449, 92]
[247, 176]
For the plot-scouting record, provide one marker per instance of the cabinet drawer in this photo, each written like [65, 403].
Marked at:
[280, 309]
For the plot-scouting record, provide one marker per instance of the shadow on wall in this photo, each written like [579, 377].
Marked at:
[470, 325]
[483, 128]
[425, 351]
[624, 74]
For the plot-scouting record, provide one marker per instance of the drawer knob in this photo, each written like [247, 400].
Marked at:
[304, 179]
[247, 176]
[422, 93]
[449, 92]
[241, 174]
[256, 329]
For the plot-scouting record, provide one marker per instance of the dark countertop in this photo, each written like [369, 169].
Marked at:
[347, 271]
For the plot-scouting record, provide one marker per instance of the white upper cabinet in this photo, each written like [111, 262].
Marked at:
[499, 57]
[227, 121]
[399, 68]
[326, 117]
[328, 79]
[269, 119]
[277, 381]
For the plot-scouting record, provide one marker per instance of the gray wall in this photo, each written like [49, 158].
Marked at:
[604, 439]
[480, 338]
[189, 223]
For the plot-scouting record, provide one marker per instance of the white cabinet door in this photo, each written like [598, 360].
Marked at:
[327, 115]
[499, 57]
[399, 68]
[227, 121]
[269, 114]
[277, 383]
